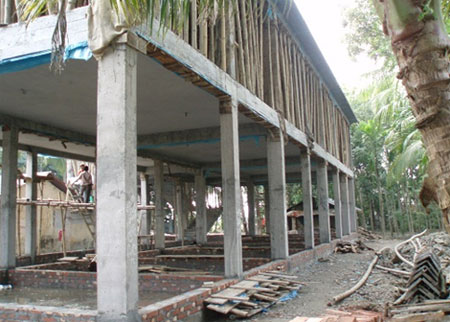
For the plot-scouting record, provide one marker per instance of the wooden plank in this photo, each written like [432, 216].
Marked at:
[238, 312]
[419, 317]
[265, 297]
[259, 279]
[218, 301]
[277, 274]
[224, 309]
[231, 298]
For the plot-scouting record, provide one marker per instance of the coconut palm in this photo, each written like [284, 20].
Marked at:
[420, 43]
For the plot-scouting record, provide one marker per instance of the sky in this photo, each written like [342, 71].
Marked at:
[325, 21]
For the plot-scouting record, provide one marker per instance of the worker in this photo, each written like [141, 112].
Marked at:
[86, 183]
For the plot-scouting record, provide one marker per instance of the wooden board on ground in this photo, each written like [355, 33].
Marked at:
[224, 309]
[68, 259]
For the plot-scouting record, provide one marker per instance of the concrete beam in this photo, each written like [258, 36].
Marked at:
[345, 207]
[175, 47]
[8, 198]
[308, 221]
[337, 204]
[28, 126]
[200, 203]
[322, 192]
[30, 212]
[231, 187]
[251, 208]
[203, 135]
[117, 262]
[277, 194]
[159, 205]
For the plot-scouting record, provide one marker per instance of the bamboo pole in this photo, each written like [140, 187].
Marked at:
[40, 221]
[245, 39]
[19, 242]
[267, 66]
[223, 40]
[242, 76]
[63, 213]
[261, 53]
[360, 283]
[194, 24]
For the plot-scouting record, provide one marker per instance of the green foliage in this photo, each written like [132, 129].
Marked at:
[388, 156]
[365, 34]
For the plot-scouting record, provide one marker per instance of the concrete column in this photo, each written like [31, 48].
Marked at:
[31, 218]
[179, 211]
[8, 198]
[144, 201]
[277, 194]
[337, 204]
[322, 192]
[267, 208]
[200, 209]
[117, 265]
[251, 209]
[159, 205]
[345, 212]
[308, 220]
[352, 205]
[229, 144]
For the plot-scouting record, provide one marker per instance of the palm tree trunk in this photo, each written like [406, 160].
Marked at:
[371, 217]
[380, 202]
[420, 43]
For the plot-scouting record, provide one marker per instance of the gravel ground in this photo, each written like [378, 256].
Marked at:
[330, 276]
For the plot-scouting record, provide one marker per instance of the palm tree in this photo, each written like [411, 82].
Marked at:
[420, 43]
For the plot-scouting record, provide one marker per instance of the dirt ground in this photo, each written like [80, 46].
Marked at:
[332, 275]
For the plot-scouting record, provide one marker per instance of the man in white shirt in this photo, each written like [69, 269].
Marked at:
[86, 183]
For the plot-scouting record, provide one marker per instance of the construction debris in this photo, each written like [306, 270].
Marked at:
[344, 316]
[350, 247]
[253, 295]
[367, 235]
[426, 281]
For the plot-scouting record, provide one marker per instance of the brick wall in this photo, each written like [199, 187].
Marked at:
[88, 280]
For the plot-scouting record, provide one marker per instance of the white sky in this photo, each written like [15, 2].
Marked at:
[325, 21]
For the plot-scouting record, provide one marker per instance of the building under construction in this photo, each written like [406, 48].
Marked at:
[244, 100]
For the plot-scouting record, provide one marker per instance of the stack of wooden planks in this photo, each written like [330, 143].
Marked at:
[253, 294]
[343, 316]
[428, 310]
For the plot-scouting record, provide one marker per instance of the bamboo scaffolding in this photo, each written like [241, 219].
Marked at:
[69, 204]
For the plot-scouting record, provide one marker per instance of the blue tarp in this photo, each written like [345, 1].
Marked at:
[79, 51]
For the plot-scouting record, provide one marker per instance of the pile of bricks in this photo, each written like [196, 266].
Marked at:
[342, 316]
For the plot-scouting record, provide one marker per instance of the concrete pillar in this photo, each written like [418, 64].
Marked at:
[267, 208]
[337, 204]
[179, 211]
[31, 215]
[251, 208]
[143, 215]
[345, 212]
[277, 194]
[322, 192]
[352, 205]
[8, 198]
[308, 220]
[159, 205]
[117, 264]
[200, 209]
[229, 144]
